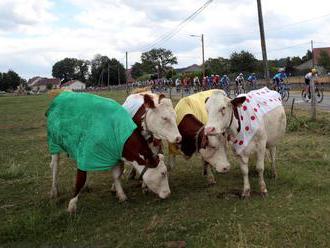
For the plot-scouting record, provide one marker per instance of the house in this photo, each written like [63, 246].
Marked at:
[74, 85]
[41, 84]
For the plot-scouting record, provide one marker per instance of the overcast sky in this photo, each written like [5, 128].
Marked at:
[34, 34]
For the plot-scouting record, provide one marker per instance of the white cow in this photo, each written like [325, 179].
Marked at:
[253, 122]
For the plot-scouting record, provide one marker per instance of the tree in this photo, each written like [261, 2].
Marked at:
[71, 68]
[243, 62]
[10, 80]
[217, 66]
[104, 69]
[158, 61]
[324, 60]
[307, 57]
[137, 70]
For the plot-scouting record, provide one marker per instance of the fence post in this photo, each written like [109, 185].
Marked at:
[291, 113]
[313, 102]
[170, 92]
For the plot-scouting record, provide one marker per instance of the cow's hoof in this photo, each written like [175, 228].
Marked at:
[122, 198]
[53, 193]
[246, 194]
[264, 194]
[274, 175]
[211, 181]
[72, 208]
[113, 189]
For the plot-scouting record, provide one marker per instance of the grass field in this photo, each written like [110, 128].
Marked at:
[295, 214]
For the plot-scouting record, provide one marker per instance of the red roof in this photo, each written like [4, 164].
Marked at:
[38, 81]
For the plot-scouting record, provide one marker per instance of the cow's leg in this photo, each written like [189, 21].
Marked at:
[171, 161]
[80, 182]
[272, 151]
[244, 160]
[53, 165]
[116, 173]
[260, 168]
[207, 171]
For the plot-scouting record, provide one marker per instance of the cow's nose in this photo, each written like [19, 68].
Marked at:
[209, 130]
[178, 139]
[164, 194]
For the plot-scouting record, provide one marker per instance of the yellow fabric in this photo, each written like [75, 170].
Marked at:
[195, 105]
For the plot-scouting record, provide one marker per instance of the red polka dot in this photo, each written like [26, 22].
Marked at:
[235, 141]
[247, 100]
[241, 142]
[258, 93]
[241, 117]
[244, 108]
[255, 110]
[265, 103]
[258, 105]
[270, 100]
[253, 117]
[247, 128]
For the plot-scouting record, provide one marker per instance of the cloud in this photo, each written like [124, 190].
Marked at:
[34, 34]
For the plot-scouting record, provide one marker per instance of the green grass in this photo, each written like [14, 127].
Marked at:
[295, 214]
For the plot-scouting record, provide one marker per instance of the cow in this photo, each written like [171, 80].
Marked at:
[191, 116]
[155, 118]
[252, 123]
[99, 135]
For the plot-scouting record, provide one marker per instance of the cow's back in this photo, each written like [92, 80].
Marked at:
[91, 129]
[275, 125]
[195, 105]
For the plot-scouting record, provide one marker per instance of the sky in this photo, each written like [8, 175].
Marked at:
[35, 34]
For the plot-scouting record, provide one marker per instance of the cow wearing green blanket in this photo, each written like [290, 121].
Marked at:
[99, 135]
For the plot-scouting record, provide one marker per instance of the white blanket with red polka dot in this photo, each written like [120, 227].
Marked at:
[257, 104]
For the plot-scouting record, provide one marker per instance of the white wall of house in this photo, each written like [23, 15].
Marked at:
[77, 85]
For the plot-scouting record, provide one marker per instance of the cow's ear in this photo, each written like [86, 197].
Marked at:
[207, 98]
[148, 101]
[161, 96]
[205, 141]
[238, 101]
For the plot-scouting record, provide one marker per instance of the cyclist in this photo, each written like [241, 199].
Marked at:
[224, 83]
[252, 79]
[308, 77]
[279, 78]
[239, 81]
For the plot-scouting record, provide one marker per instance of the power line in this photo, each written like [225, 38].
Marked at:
[167, 36]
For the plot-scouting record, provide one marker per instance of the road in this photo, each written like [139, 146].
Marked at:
[324, 105]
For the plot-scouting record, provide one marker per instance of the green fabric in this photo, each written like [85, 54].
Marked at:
[91, 129]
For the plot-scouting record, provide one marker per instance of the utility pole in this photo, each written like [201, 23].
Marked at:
[263, 43]
[126, 75]
[203, 56]
[118, 74]
[313, 61]
[108, 75]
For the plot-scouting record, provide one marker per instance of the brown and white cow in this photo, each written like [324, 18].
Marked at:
[99, 135]
[155, 117]
[253, 122]
[191, 116]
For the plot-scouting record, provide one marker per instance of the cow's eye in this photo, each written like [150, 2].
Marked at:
[165, 118]
[164, 174]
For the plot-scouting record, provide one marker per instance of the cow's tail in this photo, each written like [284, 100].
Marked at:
[54, 93]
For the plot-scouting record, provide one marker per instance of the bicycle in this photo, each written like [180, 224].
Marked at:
[284, 91]
[318, 94]
[239, 89]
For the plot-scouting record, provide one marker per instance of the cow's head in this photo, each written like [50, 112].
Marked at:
[213, 151]
[161, 119]
[221, 113]
[156, 178]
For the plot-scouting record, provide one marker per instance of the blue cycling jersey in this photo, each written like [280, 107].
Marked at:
[280, 75]
[252, 78]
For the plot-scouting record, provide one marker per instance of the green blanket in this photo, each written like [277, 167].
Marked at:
[91, 129]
